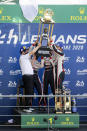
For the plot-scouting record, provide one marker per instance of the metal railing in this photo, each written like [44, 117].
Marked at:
[48, 106]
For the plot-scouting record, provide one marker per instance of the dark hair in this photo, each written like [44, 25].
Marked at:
[36, 54]
[45, 30]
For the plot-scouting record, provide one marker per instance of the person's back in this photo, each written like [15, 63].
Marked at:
[25, 65]
[27, 73]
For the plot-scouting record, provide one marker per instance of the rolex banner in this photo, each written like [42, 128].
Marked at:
[69, 29]
[11, 12]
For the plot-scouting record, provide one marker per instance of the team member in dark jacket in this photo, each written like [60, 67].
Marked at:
[48, 77]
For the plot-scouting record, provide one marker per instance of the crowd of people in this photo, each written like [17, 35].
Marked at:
[53, 71]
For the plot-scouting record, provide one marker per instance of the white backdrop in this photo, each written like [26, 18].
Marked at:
[65, 2]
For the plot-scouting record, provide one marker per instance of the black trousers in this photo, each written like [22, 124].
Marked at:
[28, 85]
[48, 79]
[37, 85]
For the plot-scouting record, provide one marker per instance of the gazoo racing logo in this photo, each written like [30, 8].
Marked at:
[67, 71]
[12, 60]
[82, 72]
[80, 83]
[16, 72]
[80, 59]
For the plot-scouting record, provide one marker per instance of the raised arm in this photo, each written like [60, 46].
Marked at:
[58, 50]
[35, 49]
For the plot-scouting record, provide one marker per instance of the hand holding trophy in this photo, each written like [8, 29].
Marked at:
[45, 32]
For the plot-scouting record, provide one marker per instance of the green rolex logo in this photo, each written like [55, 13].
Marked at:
[33, 119]
[82, 10]
[41, 11]
[67, 119]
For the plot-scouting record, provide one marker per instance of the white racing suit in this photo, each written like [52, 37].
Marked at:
[58, 56]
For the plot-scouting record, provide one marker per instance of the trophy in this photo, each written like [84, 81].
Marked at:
[67, 101]
[58, 101]
[45, 32]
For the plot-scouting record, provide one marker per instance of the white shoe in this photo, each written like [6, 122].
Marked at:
[31, 109]
[27, 110]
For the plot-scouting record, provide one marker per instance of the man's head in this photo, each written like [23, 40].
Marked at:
[45, 30]
[60, 46]
[24, 50]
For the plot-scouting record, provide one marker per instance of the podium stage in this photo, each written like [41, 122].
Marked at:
[41, 119]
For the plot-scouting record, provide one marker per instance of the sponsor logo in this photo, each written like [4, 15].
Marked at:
[82, 10]
[79, 39]
[67, 119]
[16, 72]
[80, 83]
[43, 52]
[80, 59]
[8, 2]
[67, 71]
[12, 60]
[41, 11]
[33, 122]
[81, 16]
[4, 17]
[1, 72]
[40, 14]
[12, 84]
[76, 40]
[66, 59]
[66, 83]
[82, 72]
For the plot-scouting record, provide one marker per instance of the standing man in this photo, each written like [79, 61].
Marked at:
[58, 60]
[48, 77]
[59, 69]
[37, 83]
[27, 72]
